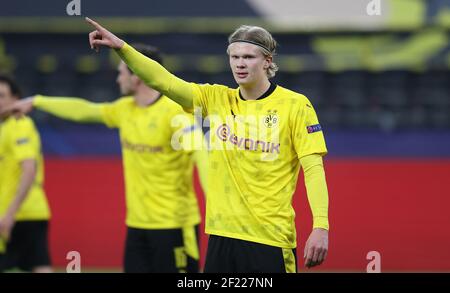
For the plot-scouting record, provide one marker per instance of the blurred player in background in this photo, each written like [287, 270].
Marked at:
[24, 211]
[251, 182]
[162, 211]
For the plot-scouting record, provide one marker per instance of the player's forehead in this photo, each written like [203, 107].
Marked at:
[242, 48]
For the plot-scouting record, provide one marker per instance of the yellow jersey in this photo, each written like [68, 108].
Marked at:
[254, 161]
[19, 141]
[158, 178]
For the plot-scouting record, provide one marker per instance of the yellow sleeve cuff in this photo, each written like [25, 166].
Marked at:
[37, 101]
[321, 222]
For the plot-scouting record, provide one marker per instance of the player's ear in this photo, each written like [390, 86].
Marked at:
[267, 62]
[135, 79]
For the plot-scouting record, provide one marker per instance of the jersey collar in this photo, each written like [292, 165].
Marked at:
[269, 91]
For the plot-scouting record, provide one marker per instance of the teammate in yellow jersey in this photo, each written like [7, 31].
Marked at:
[162, 210]
[24, 211]
[261, 134]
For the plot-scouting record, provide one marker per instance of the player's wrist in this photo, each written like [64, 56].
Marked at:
[122, 46]
[119, 44]
[36, 99]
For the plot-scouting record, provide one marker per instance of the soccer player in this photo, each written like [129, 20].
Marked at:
[24, 211]
[251, 177]
[162, 211]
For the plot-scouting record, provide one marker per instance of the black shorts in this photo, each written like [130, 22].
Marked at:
[27, 247]
[162, 251]
[229, 255]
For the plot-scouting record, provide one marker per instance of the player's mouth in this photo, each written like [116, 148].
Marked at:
[241, 74]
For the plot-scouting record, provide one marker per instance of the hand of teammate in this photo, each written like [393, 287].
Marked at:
[103, 37]
[19, 108]
[316, 248]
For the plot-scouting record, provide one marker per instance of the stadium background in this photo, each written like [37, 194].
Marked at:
[380, 85]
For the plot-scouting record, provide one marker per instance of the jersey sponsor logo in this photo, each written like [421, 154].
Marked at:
[141, 148]
[314, 128]
[224, 133]
[21, 141]
[271, 119]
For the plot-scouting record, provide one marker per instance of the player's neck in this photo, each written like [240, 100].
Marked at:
[254, 91]
[146, 96]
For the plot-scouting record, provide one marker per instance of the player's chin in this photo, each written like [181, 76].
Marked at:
[242, 81]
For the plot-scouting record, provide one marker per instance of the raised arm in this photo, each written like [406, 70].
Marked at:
[151, 72]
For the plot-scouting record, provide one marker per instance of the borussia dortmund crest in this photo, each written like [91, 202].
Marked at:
[271, 119]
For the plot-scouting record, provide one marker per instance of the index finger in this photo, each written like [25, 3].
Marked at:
[93, 23]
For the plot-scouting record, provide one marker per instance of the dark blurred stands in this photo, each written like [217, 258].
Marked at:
[382, 80]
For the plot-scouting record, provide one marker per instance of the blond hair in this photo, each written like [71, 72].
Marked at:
[260, 37]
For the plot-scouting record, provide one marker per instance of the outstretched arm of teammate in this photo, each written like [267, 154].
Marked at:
[74, 109]
[151, 72]
[316, 247]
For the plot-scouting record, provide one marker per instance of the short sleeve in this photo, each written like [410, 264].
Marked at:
[25, 145]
